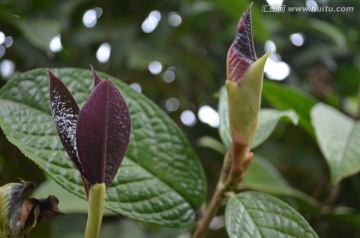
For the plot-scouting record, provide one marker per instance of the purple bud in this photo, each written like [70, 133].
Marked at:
[241, 53]
[65, 112]
[96, 137]
[103, 133]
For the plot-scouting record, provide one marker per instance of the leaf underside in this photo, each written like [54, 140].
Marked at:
[160, 180]
[65, 112]
[339, 139]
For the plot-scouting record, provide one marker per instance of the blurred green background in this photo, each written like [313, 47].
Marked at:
[174, 52]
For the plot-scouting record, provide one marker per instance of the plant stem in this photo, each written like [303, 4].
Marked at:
[332, 195]
[215, 203]
[230, 177]
[96, 210]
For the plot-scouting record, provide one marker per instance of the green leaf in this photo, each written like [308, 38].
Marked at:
[263, 176]
[160, 180]
[268, 119]
[39, 31]
[339, 139]
[253, 214]
[212, 143]
[284, 98]
[346, 215]
[327, 29]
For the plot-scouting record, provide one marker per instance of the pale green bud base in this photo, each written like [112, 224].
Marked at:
[244, 99]
[96, 210]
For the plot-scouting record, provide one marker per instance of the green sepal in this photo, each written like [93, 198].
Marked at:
[244, 100]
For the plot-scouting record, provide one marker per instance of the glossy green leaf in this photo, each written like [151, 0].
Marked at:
[268, 119]
[160, 180]
[284, 98]
[258, 215]
[339, 139]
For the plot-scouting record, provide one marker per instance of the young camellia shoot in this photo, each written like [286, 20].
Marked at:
[244, 79]
[95, 138]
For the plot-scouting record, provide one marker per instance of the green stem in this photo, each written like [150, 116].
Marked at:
[230, 177]
[332, 195]
[96, 210]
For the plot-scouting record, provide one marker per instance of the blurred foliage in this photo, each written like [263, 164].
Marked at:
[325, 68]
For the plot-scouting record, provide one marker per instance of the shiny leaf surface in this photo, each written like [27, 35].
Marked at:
[258, 215]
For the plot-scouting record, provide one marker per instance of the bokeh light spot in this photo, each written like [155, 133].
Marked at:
[55, 44]
[103, 53]
[155, 67]
[209, 116]
[90, 18]
[172, 104]
[169, 76]
[136, 86]
[8, 41]
[151, 21]
[270, 46]
[188, 118]
[174, 19]
[7, 68]
[297, 39]
[2, 37]
[2, 51]
[276, 69]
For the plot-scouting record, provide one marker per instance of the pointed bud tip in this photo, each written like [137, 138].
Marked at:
[244, 42]
[245, 18]
[51, 75]
[96, 77]
[242, 51]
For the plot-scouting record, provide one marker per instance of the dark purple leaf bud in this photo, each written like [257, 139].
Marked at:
[96, 137]
[241, 53]
[103, 133]
[65, 112]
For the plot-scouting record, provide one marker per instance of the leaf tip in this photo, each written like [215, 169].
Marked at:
[96, 77]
